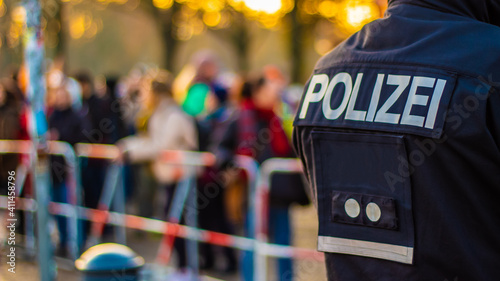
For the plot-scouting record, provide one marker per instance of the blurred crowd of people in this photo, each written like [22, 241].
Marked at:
[149, 110]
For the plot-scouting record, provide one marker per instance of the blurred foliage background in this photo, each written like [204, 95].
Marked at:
[112, 36]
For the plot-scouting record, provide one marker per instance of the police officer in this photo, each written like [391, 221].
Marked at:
[399, 134]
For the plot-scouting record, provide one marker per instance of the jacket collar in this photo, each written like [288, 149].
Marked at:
[487, 11]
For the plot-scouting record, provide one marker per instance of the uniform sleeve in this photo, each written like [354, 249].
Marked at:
[493, 116]
[297, 146]
[304, 152]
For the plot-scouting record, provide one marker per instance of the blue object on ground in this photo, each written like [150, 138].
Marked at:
[109, 260]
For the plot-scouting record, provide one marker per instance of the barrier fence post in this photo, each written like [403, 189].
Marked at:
[251, 167]
[65, 150]
[182, 190]
[267, 169]
[119, 206]
[21, 174]
[260, 197]
[30, 225]
[191, 218]
[108, 192]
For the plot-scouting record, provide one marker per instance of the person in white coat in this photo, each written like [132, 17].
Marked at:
[167, 127]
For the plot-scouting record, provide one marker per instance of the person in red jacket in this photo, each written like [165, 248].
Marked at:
[258, 132]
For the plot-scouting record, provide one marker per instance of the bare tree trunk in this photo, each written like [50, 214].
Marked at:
[241, 40]
[239, 37]
[60, 50]
[296, 45]
[163, 19]
[168, 34]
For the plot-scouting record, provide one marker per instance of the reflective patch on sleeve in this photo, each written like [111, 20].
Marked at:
[366, 249]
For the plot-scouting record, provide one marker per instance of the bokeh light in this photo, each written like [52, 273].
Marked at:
[328, 9]
[193, 17]
[3, 9]
[163, 4]
[322, 46]
[212, 19]
[77, 26]
[267, 6]
[19, 15]
[349, 15]
[359, 13]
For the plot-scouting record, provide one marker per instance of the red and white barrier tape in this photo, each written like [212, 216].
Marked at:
[159, 226]
[102, 151]
[187, 158]
[16, 146]
[108, 151]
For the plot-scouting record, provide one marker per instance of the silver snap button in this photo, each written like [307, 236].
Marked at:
[373, 212]
[352, 208]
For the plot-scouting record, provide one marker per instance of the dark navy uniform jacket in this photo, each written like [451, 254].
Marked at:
[399, 134]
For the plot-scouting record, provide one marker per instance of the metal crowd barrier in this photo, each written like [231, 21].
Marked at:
[112, 191]
[259, 184]
[184, 201]
[183, 163]
[262, 250]
[22, 171]
[66, 151]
